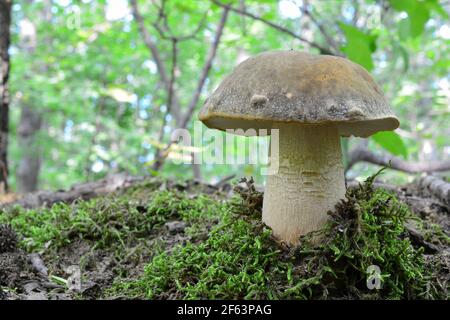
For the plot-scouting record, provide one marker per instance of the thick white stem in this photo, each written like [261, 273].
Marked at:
[310, 180]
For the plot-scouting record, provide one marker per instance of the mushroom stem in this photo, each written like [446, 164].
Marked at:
[309, 182]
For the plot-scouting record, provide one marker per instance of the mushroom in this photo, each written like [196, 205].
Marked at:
[313, 100]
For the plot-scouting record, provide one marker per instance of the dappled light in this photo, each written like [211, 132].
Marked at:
[224, 149]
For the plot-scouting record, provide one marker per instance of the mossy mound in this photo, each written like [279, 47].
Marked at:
[166, 241]
[364, 252]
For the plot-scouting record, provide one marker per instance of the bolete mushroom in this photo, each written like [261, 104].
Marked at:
[313, 100]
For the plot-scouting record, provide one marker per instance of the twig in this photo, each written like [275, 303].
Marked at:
[365, 155]
[206, 67]
[166, 33]
[304, 9]
[38, 264]
[322, 49]
[223, 181]
[83, 191]
[171, 86]
[169, 101]
[201, 82]
[97, 128]
[355, 13]
[151, 45]
[437, 187]
[390, 187]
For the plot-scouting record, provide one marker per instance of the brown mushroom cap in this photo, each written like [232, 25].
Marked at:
[292, 86]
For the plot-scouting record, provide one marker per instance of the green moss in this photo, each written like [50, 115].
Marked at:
[434, 233]
[239, 259]
[106, 222]
[366, 232]
[228, 253]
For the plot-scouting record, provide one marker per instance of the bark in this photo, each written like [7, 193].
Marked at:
[31, 120]
[196, 170]
[30, 162]
[162, 154]
[112, 183]
[322, 49]
[437, 187]
[364, 155]
[5, 22]
[82, 191]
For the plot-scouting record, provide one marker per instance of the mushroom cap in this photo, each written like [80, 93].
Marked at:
[298, 87]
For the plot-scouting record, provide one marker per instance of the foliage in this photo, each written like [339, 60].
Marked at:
[391, 141]
[360, 46]
[98, 89]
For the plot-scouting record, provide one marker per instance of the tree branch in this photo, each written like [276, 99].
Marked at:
[201, 82]
[166, 33]
[159, 155]
[437, 187]
[151, 45]
[304, 9]
[322, 49]
[364, 155]
[206, 67]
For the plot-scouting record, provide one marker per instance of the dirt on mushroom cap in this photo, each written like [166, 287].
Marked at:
[292, 86]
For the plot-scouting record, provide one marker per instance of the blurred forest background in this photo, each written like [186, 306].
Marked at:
[97, 86]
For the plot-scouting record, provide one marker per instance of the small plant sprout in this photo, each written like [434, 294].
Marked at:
[313, 100]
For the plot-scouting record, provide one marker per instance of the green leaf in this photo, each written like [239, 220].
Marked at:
[392, 142]
[360, 46]
[434, 5]
[417, 19]
[401, 52]
[418, 13]
[403, 5]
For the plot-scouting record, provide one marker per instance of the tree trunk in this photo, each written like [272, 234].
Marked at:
[5, 21]
[30, 162]
[31, 119]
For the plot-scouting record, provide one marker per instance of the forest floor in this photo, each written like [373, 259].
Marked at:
[159, 239]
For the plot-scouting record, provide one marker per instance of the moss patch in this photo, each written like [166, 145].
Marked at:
[107, 222]
[365, 245]
[125, 249]
[365, 234]
[238, 260]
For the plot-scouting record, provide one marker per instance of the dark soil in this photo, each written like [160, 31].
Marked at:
[16, 268]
